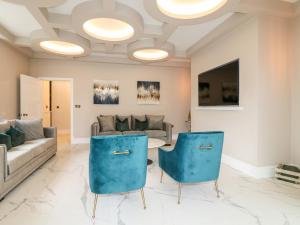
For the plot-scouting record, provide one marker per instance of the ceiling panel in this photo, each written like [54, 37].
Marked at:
[17, 19]
[67, 7]
[186, 36]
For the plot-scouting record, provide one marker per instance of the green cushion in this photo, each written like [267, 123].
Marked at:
[17, 136]
[141, 125]
[122, 125]
[5, 140]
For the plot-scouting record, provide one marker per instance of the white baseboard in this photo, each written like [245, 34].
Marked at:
[249, 169]
[80, 141]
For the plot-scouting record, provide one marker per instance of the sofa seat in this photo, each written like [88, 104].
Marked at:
[21, 155]
[133, 132]
[110, 133]
[156, 133]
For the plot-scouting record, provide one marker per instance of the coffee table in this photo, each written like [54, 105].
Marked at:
[154, 143]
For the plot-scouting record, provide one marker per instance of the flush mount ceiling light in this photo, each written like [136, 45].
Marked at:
[188, 12]
[66, 44]
[108, 29]
[62, 47]
[147, 51]
[189, 9]
[119, 25]
[150, 54]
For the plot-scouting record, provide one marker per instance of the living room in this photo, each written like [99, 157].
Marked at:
[154, 91]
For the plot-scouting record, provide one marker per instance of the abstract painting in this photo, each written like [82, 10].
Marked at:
[230, 92]
[106, 92]
[204, 93]
[148, 92]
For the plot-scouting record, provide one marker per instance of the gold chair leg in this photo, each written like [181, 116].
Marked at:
[95, 205]
[217, 189]
[143, 197]
[161, 176]
[179, 193]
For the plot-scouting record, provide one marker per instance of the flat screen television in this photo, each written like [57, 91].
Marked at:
[219, 86]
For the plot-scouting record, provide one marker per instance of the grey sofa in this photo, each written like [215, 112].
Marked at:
[19, 162]
[164, 134]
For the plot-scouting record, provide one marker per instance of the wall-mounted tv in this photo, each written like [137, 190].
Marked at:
[219, 86]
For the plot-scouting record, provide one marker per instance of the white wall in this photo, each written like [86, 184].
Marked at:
[259, 134]
[13, 63]
[241, 140]
[295, 91]
[175, 90]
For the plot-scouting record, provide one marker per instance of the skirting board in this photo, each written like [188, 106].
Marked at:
[249, 169]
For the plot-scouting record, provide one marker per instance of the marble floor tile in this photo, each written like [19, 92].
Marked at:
[58, 194]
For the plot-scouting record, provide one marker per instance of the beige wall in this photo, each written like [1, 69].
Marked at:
[175, 90]
[295, 91]
[259, 133]
[13, 63]
[240, 127]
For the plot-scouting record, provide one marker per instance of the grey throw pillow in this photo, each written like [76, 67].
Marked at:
[33, 129]
[106, 123]
[155, 122]
[141, 118]
[4, 126]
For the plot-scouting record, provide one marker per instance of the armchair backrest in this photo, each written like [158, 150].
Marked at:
[118, 163]
[199, 156]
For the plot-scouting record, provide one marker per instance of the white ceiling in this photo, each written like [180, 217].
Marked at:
[18, 20]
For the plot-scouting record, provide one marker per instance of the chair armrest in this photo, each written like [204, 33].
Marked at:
[50, 132]
[168, 128]
[95, 129]
[3, 165]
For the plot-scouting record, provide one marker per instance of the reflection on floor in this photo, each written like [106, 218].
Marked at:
[58, 193]
[63, 139]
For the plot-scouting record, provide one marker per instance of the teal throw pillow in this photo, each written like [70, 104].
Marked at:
[17, 136]
[5, 140]
[141, 125]
[122, 125]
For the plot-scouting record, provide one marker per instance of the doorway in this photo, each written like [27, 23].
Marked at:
[57, 107]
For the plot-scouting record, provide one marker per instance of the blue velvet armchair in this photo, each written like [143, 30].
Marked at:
[117, 164]
[195, 158]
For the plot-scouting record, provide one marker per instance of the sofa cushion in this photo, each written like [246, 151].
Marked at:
[133, 132]
[33, 129]
[5, 140]
[122, 125]
[22, 154]
[4, 126]
[156, 133]
[17, 136]
[155, 122]
[106, 123]
[133, 118]
[110, 133]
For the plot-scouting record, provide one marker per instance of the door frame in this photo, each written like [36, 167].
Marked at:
[71, 80]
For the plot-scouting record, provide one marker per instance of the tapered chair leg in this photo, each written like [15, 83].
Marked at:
[95, 205]
[161, 175]
[179, 193]
[143, 197]
[217, 189]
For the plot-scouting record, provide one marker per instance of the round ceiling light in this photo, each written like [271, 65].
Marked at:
[62, 48]
[151, 54]
[189, 9]
[108, 29]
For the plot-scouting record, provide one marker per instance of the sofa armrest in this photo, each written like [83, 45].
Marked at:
[50, 132]
[3, 165]
[95, 129]
[168, 128]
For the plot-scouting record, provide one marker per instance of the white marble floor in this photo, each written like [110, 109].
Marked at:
[58, 194]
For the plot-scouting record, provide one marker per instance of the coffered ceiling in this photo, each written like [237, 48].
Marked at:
[25, 24]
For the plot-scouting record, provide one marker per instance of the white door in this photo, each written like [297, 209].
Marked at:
[31, 98]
